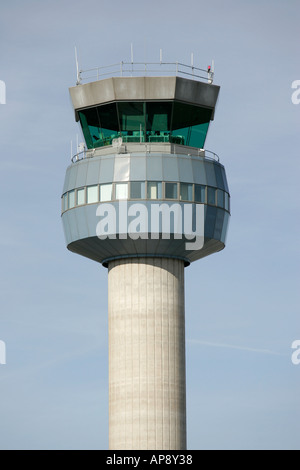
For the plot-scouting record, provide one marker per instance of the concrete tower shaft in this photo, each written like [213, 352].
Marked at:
[147, 402]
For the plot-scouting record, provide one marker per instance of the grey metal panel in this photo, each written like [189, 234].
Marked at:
[219, 224]
[185, 169]
[129, 88]
[144, 88]
[199, 171]
[194, 92]
[122, 168]
[73, 234]
[210, 220]
[160, 88]
[66, 227]
[210, 174]
[92, 93]
[66, 181]
[225, 227]
[81, 173]
[107, 169]
[224, 179]
[138, 168]
[72, 177]
[170, 169]
[81, 219]
[92, 219]
[219, 176]
[154, 168]
[93, 171]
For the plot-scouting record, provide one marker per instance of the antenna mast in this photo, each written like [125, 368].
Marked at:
[78, 81]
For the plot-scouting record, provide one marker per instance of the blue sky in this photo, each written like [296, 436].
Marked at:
[242, 305]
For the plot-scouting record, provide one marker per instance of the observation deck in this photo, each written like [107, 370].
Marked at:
[144, 143]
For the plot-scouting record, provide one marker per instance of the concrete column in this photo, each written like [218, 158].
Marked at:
[147, 401]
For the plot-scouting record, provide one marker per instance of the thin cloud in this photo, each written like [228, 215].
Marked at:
[232, 346]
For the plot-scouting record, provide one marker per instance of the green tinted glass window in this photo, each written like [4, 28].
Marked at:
[109, 124]
[190, 124]
[90, 126]
[200, 193]
[158, 121]
[80, 196]
[154, 190]
[137, 190]
[99, 125]
[186, 192]
[171, 190]
[154, 121]
[132, 121]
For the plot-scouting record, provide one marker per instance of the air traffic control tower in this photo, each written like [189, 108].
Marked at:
[144, 199]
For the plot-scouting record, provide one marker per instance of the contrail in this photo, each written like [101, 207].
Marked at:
[231, 346]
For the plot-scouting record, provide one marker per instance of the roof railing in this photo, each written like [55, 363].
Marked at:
[89, 153]
[138, 69]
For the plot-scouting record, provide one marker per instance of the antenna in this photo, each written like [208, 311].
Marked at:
[131, 50]
[192, 61]
[210, 72]
[78, 81]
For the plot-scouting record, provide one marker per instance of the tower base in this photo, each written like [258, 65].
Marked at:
[147, 391]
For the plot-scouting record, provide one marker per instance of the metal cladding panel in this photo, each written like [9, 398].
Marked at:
[210, 174]
[66, 227]
[210, 221]
[199, 171]
[185, 169]
[155, 168]
[129, 88]
[72, 177]
[93, 171]
[170, 169]
[224, 179]
[219, 224]
[94, 249]
[92, 93]
[66, 181]
[219, 176]
[160, 88]
[225, 227]
[82, 173]
[82, 223]
[122, 168]
[107, 169]
[195, 92]
[74, 234]
[138, 168]
[144, 88]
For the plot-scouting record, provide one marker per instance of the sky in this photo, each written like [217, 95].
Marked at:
[242, 304]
